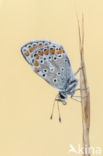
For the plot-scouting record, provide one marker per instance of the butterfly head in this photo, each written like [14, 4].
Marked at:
[62, 97]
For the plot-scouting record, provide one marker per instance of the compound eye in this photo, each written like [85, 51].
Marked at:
[62, 96]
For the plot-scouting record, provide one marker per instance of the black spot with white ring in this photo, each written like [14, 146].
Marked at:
[46, 44]
[54, 46]
[55, 58]
[41, 61]
[58, 74]
[54, 80]
[40, 44]
[62, 69]
[29, 46]
[24, 50]
[59, 56]
[44, 58]
[50, 58]
[45, 70]
[44, 75]
[52, 69]
[34, 45]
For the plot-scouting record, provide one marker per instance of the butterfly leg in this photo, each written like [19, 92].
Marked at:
[59, 111]
[80, 68]
[80, 96]
[81, 89]
[52, 110]
[75, 99]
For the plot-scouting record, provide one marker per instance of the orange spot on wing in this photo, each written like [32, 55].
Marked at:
[30, 49]
[46, 52]
[41, 45]
[35, 47]
[36, 70]
[59, 51]
[37, 56]
[40, 53]
[52, 50]
[27, 54]
[36, 63]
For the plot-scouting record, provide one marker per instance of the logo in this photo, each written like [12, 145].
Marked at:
[88, 150]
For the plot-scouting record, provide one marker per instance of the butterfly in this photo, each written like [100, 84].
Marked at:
[50, 61]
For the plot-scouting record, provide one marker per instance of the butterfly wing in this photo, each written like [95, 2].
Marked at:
[49, 60]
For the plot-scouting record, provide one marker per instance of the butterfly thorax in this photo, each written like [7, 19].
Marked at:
[69, 90]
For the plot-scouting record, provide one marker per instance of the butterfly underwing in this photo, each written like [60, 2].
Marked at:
[50, 61]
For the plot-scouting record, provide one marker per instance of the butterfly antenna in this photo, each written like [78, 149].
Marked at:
[59, 111]
[51, 117]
